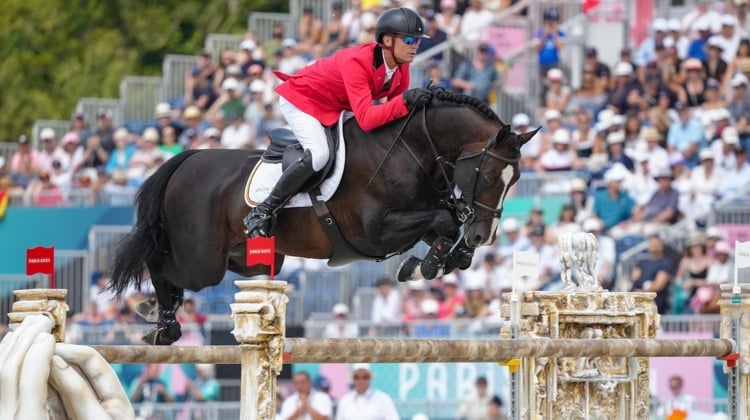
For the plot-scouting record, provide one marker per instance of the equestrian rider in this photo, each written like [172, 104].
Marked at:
[350, 80]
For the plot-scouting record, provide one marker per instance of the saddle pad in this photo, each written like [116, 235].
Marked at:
[264, 176]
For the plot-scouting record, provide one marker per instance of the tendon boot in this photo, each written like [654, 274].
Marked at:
[260, 220]
[459, 258]
[435, 258]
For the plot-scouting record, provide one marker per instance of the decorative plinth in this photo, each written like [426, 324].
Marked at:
[259, 328]
[50, 302]
[583, 387]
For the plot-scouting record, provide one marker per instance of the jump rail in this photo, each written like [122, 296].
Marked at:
[563, 368]
[343, 350]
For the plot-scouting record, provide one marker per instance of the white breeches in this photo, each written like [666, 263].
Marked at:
[308, 130]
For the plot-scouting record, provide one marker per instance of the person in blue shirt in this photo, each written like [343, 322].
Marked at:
[550, 40]
[616, 150]
[612, 205]
[686, 135]
[699, 46]
[436, 77]
[647, 49]
[477, 76]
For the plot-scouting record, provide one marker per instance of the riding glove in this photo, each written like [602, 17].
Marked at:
[417, 98]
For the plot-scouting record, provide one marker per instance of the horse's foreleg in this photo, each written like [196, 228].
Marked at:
[460, 257]
[167, 329]
[441, 232]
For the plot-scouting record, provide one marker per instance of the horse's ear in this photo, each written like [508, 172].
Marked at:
[504, 132]
[523, 138]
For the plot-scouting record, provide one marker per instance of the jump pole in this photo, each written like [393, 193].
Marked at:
[370, 350]
[258, 313]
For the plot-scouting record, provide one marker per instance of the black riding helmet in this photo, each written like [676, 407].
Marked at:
[402, 20]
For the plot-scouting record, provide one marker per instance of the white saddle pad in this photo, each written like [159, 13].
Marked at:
[264, 176]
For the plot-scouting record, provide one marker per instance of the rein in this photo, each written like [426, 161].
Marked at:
[390, 149]
[464, 208]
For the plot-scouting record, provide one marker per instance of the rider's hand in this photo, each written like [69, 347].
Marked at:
[418, 98]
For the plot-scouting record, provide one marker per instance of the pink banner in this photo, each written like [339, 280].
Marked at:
[338, 375]
[504, 40]
[697, 372]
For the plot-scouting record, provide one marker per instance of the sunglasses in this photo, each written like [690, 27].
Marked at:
[365, 377]
[410, 40]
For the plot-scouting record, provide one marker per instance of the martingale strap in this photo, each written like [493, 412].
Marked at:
[342, 251]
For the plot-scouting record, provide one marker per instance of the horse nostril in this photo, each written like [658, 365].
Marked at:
[478, 240]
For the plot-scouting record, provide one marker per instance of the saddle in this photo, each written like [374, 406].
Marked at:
[285, 148]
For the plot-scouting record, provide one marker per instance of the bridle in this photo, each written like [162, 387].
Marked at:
[464, 207]
[468, 215]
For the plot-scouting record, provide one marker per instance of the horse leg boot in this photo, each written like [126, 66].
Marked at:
[167, 329]
[430, 266]
[459, 258]
[260, 220]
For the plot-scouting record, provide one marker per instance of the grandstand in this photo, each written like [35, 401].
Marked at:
[89, 206]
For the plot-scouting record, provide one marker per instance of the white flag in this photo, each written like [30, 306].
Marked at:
[525, 263]
[742, 254]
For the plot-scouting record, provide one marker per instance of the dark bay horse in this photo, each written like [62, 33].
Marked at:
[398, 187]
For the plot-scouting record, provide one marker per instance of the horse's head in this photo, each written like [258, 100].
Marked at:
[485, 171]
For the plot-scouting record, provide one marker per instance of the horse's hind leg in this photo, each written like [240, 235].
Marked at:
[170, 298]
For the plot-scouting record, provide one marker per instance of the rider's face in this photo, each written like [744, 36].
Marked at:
[403, 48]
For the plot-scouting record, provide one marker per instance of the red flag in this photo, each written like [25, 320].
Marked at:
[589, 5]
[262, 250]
[41, 260]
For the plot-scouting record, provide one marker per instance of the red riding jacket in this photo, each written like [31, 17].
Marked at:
[348, 81]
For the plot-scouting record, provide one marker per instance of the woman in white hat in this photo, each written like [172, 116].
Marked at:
[341, 326]
[560, 157]
[707, 176]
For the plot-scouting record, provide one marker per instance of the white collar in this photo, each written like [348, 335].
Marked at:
[388, 71]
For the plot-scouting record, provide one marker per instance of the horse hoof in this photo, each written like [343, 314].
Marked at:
[148, 309]
[159, 337]
[408, 270]
[151, 337]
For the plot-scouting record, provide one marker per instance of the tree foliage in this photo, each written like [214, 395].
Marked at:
[53, 52]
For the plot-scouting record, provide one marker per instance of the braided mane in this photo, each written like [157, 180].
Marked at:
[460, 99]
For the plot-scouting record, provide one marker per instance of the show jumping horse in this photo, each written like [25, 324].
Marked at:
[439, 175]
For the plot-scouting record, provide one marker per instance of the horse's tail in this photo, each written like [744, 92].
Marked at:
[148, 236]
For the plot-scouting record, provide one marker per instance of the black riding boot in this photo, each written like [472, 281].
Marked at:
[260, 220]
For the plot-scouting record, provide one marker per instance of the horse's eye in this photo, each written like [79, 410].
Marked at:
[490, 178]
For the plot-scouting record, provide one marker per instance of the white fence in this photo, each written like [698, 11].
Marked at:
[262, 23]
[7, 150]
[174, 69]
[103, 241]
[216, 43]
[91, 107]
[139, 96]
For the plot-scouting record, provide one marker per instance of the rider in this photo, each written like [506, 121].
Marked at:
[350, 80]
